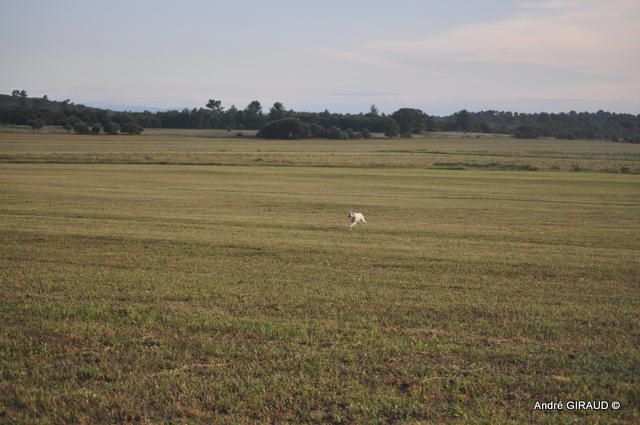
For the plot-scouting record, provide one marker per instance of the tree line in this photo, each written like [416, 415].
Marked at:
[278, 121]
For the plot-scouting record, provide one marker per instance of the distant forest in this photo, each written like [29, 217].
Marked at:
[279, 122]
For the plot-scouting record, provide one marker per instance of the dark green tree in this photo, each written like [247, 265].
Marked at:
[392, 128]
[131, 128]
[215, 106]
[464, 120]
[411, 121]
[277, 111]
[253, 115]
[112, 128]
[285, 128]
[36, 124]
[81, 127]
[526, 132]
[334, 132]
[317, 130]
[231, 117]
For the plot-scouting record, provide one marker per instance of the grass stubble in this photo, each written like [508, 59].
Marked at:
[161, 292]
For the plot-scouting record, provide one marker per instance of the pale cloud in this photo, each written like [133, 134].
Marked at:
[590, 38]
[550, 4]
[589, 35]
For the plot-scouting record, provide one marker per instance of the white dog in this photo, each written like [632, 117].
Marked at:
[355, 218]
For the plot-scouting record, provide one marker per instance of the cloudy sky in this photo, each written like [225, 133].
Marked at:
[440, 56]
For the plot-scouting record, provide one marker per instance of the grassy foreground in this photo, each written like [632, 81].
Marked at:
[235, 294]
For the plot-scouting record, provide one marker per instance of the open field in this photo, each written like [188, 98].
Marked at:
[434, 151]
[190, 132]
[134, 288]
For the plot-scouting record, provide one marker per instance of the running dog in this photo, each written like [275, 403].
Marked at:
[355, 218]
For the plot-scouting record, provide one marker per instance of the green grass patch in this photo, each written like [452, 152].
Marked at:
[236, 294]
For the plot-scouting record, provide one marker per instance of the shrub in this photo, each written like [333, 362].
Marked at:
[366, 133]
[392, 128]
[526, 132]
[335, 133]
[317, 130]
[285, 128]
[81, 127]
[69, 123]
[132, 128]
[483, 127]
[112, 128]
[36, 124]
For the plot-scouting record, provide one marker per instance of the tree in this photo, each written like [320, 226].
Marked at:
[81, 127]
[285, 128]
[19, 93]
[463, 120]
[429, 123]
[526, 132]
[254, 108]
[411, 121]
[112, 128]
[215, 106]
[351, 134]
[373, 111]
[334, 132]
[317, 130]
[103, 117]
[253, 114]
[392, 128]
[36, 124]
[72, 119]
[131, 128]
[484, 127]
[231, 117]
[277, 111]
[122, 118]
[96, 128]
[366, 133]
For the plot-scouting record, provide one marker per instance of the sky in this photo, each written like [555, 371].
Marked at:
[439, 56]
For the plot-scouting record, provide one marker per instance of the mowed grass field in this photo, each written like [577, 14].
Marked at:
[175, 279]
[437, 151]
